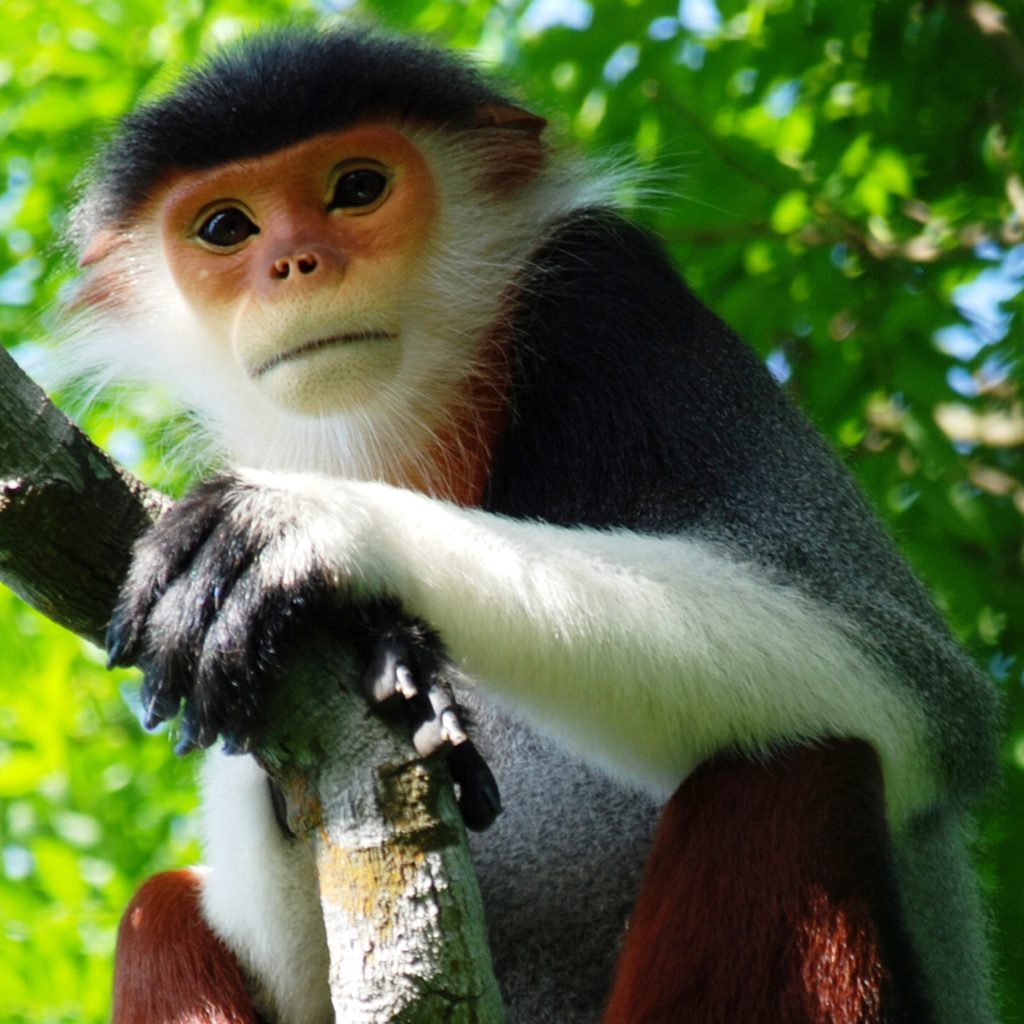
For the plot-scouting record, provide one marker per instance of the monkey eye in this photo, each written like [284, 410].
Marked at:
[226, 228]
[360, 187]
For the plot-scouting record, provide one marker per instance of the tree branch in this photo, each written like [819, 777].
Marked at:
[401, 903]
[68, 514]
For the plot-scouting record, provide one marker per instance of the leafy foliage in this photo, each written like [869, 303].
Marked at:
[840, 181]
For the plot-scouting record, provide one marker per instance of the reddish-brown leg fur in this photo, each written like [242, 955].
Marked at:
[769, 898]
[171, 969]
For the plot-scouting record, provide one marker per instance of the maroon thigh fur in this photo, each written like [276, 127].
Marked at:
[171, 969]
[769, 896]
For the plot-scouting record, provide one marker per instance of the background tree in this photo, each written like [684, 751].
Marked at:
[842, 182]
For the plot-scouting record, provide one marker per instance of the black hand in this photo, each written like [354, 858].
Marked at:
[407, 668]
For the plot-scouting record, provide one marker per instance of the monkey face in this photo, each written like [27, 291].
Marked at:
[299, 262]
[337, 303]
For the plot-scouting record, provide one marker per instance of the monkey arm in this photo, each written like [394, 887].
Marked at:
[647, 654]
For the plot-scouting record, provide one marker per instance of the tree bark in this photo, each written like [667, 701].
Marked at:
[401, 903]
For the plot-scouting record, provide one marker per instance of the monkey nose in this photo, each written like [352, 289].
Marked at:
[296, 263]
[297, 259]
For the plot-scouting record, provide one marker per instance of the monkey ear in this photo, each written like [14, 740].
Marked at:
[98, 287]
[505, 115]
[100, 245]
[519, 154]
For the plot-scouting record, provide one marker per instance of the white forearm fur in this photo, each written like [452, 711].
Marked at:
[646, 654]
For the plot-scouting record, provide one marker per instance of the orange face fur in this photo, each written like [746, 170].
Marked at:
[309, 291]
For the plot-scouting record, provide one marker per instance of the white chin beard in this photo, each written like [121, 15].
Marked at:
[330, 377]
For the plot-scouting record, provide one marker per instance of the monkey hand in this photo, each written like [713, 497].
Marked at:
[406, 667]
[215, 597]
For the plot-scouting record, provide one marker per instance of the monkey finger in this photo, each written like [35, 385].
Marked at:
[187, 742]
[168, 659]
[166, 681]
[404, 682]
[445, 711]
[387, 673]
[427, 735]
[235, 742]
[124, 638]
[435, 722]
[451, 727]
[233, 676]
[159, 704]
[197, 732]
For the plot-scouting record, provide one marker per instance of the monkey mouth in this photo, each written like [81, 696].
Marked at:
[319, 345]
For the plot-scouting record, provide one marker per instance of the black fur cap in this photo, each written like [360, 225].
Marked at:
[276, 88]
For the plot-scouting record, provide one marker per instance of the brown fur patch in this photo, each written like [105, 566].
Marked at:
[458, 462]
[170, 967]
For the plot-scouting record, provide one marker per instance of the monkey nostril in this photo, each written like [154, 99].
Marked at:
[304, 263]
